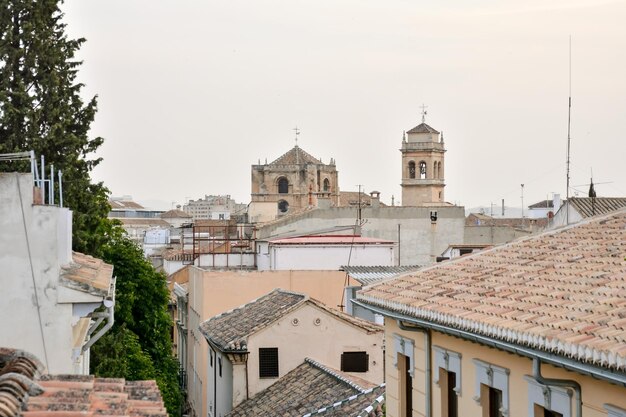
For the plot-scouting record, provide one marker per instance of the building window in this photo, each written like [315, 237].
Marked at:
[435, 170]
[283, 206]
[354, 362]
[492, 389]
[439, 170]
[422, 170]
[448, 377]
[211, 355]
[411, 169]
[548, 401]
[406, 386]
[326, 184]
[283, 185]
[219, 365]
[268, 362]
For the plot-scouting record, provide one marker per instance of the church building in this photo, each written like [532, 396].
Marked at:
[422, 166]
[293, 182]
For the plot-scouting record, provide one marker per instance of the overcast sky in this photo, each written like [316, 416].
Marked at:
[191, 93]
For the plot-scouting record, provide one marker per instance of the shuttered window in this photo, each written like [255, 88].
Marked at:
[354, 361]
[268, 362]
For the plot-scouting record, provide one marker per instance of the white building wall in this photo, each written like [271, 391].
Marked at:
[328, 257]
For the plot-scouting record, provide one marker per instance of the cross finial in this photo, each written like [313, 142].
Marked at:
[295, 129]
[424, 113]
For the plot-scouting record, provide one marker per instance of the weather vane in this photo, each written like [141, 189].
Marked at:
[424, 113]
[297, 133]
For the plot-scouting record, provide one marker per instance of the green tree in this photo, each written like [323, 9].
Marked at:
[41, 109]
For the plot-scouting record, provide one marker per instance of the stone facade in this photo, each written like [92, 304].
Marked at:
[292, 182]
[422, 166]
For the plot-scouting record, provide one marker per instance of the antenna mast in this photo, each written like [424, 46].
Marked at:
[569, 119]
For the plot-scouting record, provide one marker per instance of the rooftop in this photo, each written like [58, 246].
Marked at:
[422, 128]
[562, 292]
[176, 214]
[588, 206]
[308, 389]
[296, 156]
[229, 331]
[124, 205]
[88, 274]
[28, 393]
[368, 275]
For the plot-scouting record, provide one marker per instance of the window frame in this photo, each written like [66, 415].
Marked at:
[558, 399]
[346, 355]
[449, 361]
[263, 371]
[492, 376]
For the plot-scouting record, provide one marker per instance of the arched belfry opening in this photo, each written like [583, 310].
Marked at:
[412, 170]
[326, 185]
[422, 170]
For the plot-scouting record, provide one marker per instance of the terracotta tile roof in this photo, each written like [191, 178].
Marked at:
[88, 274]
[25, 392]
[422, 128]
[588, 206]
[229, 331]
[296, 156]
[176, 214]
[367, 275]
[305, 390]
[562, 292]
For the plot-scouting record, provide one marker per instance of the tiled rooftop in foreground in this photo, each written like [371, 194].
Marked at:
[24, 391]
[562, 292]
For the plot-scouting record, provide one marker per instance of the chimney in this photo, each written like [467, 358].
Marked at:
[556, 202]
[375, 195]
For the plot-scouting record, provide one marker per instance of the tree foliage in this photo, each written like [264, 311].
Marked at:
[41, 108]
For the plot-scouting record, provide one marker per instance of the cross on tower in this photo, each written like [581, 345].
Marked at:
[424, 113]
[295, 129]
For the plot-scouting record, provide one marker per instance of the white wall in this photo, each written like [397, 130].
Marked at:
[328, 257]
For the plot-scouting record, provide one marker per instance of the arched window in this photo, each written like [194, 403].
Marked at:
[435, 170]
[439, 170]
[411, 169]
[283, 185]
[422, 170]
[283, 206]
[326, 184]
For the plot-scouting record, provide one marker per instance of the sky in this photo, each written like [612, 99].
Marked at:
[192, 93]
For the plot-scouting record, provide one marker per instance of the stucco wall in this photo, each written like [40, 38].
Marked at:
[595, 393]
[328, 257]
[318, 335]
[492, 235]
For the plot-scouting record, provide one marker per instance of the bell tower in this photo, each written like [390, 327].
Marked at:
[422, 165]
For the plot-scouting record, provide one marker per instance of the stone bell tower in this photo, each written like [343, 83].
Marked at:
[422, 165]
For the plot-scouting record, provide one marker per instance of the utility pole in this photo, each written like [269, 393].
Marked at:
[522, 201]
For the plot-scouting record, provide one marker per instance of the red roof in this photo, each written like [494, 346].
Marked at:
[331, 240]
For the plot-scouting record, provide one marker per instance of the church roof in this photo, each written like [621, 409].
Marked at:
[422, 128]
[296, 156]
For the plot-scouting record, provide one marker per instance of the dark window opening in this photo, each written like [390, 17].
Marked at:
[326, 185]
[219, 365]
[283, 185]
[411, 169]
[283, 206]
[449, 400]
[491, 401]
[406, 386]
[211, 354]
[465, 251]
[354, 361]
[268, 362]
[539, 411]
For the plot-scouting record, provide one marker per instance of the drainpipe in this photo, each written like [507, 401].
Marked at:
[568, 383]
[427, 343]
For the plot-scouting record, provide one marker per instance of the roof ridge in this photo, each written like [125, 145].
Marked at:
[340, 403]
[363, 324]
[332, 372]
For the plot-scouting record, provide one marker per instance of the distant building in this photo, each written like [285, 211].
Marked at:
[293, 182]
[253, 346]
[125, 207]
[544, 209]
[577, 209]
[481, 229]
[214, 207]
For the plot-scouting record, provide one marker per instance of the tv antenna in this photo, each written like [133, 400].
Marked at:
[569, 120]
